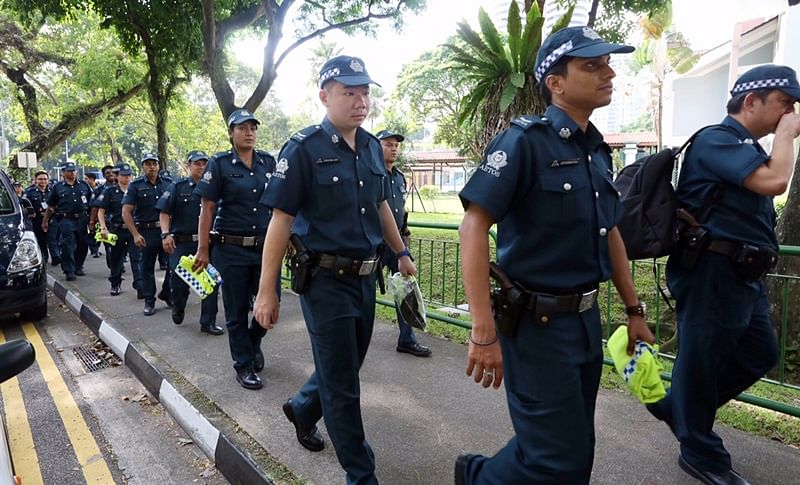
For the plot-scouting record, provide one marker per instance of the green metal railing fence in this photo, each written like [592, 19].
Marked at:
[438, 261]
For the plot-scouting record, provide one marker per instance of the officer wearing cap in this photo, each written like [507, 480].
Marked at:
[330, 188]
[110, 177]
[727, 341]
[546, 182]
[180, 213]
[69, 201]
[109, 215]
[390, 143]
[141, 219]
[37, 194]
[90, 177]
[232, 185]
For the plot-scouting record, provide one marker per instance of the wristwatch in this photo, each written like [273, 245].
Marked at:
[404, 252]
[165, 234]
[636, 310]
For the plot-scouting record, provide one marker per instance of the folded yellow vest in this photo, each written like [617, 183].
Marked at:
[641, 371]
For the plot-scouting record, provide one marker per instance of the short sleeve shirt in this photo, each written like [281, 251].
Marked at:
[549, 187]
[143, 195]
[237, 190]
[724, 156]
[397, 195]
[71, 199]
[334, 191]
[183, 205]
[110, 199]
[38, 199]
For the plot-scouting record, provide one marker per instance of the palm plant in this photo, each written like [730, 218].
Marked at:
[499, 71]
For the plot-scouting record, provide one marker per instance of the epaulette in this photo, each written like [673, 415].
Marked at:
[301, 135]
[264, 154]
[527, 121]
[138, 179]
[400, 172]
[221, 155]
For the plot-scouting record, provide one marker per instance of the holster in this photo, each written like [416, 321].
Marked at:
[381, 278]
[301, 261]
[508, 302]
[753, 263]
[693, 240]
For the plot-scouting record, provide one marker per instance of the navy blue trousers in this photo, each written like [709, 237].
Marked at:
[149, 256]
[339, 315]
[726, 342]
[407, 337]
[180, 291]
[551, 375]
[74, 243]
[118, 251]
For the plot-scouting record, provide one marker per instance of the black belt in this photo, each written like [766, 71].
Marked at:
[70, 215]
[148, 225]
[342, 265]
[184, 238]
[752, 262]
[569, 303]
[244, 241]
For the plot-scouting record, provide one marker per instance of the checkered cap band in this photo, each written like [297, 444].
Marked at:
[630, 368]
[191, 280]
[552, 58]
[760, 84]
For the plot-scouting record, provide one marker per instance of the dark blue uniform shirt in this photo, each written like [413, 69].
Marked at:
[182, 203]
[38, 199]
[549, 187]
[724, 156]
[237, 189]
[95, 194]
[111, 200]
[143, 195]
[71, 199]
[334, 192]
[397, 198]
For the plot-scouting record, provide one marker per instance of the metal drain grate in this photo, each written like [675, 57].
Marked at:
[90, 360]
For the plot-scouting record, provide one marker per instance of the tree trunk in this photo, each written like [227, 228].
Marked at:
[26, 96]
[593, 13]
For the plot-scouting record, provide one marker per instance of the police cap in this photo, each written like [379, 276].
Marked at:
[573, 42]
[384, 134]
[123, 169]
[69, 166]
[240, 116]
[196, 155]
[347, 70]
[149, 156]
[768, 76]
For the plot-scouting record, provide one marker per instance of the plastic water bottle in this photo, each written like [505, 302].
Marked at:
[212, 271]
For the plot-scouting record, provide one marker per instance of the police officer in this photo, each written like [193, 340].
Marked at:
[233, 182]
[727, 341]
[141, 218]
[330, 188]
[163, 257]
[38, 194]
[109, 214]
[110, 179]
[69, 201]
[390, 143]
[90, 177]
[546, 182]
[180, 213]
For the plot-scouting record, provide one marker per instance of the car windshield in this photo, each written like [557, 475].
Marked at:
[6, 205]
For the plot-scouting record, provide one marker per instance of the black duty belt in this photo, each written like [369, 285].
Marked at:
[148, 225]
[184, 238]
[569, 303]
[342, 265]
[70, 215]
[244, 241]
[752, 262]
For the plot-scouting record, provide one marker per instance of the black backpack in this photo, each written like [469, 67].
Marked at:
[649, 224]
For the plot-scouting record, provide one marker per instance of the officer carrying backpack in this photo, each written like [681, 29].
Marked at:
[649, 224]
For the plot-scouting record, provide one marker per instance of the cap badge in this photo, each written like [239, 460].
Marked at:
[590, 34]
[356, 66]
[565, 133]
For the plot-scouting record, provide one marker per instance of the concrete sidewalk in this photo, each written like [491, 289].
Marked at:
[419, 414]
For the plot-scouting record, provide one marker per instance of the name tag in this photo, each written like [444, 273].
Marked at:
[322, 161]
[235, 175]
[83, 199]
[565, 163]
[44, 205]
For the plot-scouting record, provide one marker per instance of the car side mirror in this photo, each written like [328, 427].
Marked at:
[16, 356]
[27, 207]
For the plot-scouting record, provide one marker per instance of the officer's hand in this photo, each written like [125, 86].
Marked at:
[407, 267]
[485, 362]
[104, 232]
[789, 122]
[44, 225]
[638, 330]
[139, 241]
[200, 259]
[168, 243]
[266, 309]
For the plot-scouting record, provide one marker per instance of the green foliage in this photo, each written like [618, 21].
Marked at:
[641, 124]
[428, 192]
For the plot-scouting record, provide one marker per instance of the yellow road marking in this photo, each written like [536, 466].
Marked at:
[89, 457]
[20, 439]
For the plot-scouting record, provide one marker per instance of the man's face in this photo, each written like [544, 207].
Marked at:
[197, 168]
[770, 111]
[89, 180]
[244, 135]
[110, 176]
[70, 176]
[150, 168]
[391, 147]
[41, 181]
[347, 106]
[587, 84]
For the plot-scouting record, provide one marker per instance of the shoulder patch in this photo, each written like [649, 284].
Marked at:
[526, 121]
[301, 135]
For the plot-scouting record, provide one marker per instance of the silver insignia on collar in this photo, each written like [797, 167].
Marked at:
[565, 133]
[748, 141]
[335, 138]
[356, 66]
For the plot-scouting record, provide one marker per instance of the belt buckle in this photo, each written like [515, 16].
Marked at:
[367, 267]
[194, 238]
[248, 241]
[587, 300]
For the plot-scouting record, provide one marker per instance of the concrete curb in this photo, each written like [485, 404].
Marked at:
[235, 463]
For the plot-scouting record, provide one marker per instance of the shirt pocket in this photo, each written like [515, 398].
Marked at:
[335, 189]
[562, 188]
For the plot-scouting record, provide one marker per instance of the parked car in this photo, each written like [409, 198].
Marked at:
[15, 357]
[23, 279]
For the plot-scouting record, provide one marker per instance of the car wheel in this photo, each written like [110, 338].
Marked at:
[37, 313]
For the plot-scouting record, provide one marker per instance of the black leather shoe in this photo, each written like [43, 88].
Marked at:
[248, 379]
[149, 309]
[71, 277]
[165, 297]
[213, 330]
[415, 349]
[461, 468]
[177, 316]
[310, 439]
[655, 410]
[79, 272]
[729, 477]
[258, 363]
[139, 295]
[115, 290]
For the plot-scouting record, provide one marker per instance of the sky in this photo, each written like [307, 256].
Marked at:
[706, 23]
